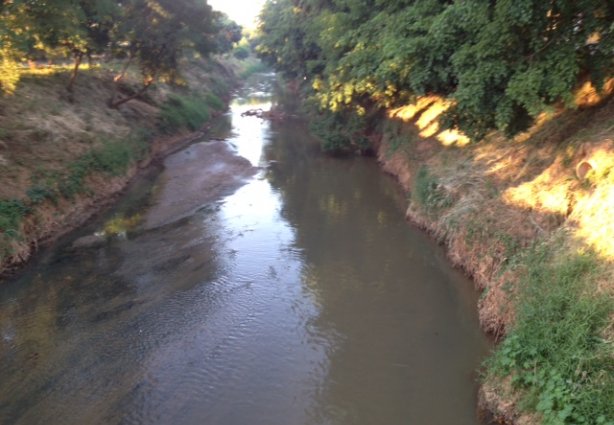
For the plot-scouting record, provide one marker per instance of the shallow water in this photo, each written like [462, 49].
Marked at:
[301, 298]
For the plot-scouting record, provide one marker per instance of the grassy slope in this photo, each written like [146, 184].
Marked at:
[60, 160]
[532, 220]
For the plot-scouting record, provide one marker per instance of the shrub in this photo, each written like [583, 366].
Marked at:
[214, 102]
[184, 112]
[241, 52]
[340, 131]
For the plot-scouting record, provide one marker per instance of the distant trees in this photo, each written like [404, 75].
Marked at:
[152, 33]
[503, 62]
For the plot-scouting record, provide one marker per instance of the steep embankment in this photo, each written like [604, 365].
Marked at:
[531, 219]
[61, 161]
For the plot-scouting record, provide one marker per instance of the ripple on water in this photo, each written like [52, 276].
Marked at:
[301, 298]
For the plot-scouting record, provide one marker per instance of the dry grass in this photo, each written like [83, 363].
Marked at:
[53, 145]
[498, 199]
[505, 194]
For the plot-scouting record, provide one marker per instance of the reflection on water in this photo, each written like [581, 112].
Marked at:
[303, 298]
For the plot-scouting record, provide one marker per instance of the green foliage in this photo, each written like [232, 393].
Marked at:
[340, 132]
[214, 102]
[555, 352]
[154, 33]
[185, 112]
[429, 193]
[395, 137]
[241, 52]
[502, 62]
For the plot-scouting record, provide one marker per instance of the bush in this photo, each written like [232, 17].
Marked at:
[214, 102]
[340, 132]
[241, 52]
[184, 112]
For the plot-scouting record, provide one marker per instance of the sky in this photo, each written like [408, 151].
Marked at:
[243, 12]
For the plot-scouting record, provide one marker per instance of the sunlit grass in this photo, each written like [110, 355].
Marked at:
[46, 70]
[546, 193]
[425, 113]
[587, 94]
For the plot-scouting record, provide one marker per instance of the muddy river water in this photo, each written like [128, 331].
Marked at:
[298, 296]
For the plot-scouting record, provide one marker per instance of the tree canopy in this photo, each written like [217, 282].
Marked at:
[502, 62]
[155, 33]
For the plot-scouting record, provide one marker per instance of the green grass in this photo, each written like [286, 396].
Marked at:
[112, 158]
[12, 211]
[554, 353]
[186, 112]
[428, 193]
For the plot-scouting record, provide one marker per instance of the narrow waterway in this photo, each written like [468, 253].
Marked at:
[301, 297]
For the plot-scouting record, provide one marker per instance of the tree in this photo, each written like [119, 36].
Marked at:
[502, 62]
[156, 34]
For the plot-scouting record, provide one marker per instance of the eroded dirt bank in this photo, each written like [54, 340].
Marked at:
[62, 161]
[517, 215]
[54, 219]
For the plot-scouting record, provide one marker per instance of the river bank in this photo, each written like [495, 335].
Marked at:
[531, 220]
[265, 303]
[64, 160]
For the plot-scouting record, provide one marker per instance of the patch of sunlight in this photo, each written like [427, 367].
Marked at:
[452, 137]
[426, 111]
[594, 218]
[408, 112]
[588, 95]
[54, 69]
[594, 38]
[501, 164]
[118, 226]
[429, 130]
[548, 193]
[598, 164]
[590, 211]
[433, 112]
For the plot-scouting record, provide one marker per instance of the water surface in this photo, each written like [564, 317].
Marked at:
[301, 298]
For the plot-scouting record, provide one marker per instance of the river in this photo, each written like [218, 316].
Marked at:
[301, 297]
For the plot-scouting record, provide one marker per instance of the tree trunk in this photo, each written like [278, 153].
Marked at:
[117, 79]
[73, 76]
[146, 85]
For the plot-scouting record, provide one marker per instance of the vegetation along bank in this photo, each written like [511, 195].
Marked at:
[497, 117]
[90, 93]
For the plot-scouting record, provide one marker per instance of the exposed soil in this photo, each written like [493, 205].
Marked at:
[494, 199]
[195, 176]
[52, 220]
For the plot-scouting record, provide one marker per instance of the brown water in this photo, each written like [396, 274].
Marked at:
[301, 298]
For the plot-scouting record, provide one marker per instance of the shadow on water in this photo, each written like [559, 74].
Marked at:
[302, 298]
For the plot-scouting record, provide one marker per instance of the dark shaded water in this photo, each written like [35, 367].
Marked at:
[302, 298]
